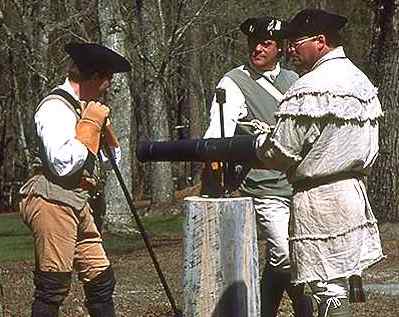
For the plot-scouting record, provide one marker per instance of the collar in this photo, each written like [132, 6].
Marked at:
[270, 75]
[68, 88]
[336, 53]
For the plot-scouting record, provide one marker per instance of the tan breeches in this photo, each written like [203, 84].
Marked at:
[64, 239]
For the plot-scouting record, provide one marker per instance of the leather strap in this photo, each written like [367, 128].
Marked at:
[265, 82]
[68, 97]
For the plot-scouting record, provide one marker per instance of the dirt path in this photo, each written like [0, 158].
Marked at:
[139, 292]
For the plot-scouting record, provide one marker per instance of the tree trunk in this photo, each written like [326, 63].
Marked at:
[197, 100]
[384, 69]
[152, 49]
[162, 188]
[119, 98]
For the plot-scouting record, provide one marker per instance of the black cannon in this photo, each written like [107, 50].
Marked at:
[238, 148]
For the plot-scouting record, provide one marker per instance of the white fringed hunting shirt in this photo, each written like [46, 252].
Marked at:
[327, 128]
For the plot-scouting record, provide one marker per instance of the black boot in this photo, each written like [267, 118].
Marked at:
[51, 288]
[41, 309]
[98, 293]
[273, 284]
[101, 309]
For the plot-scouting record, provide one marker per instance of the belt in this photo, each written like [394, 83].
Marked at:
[86, 183]
[309, 183]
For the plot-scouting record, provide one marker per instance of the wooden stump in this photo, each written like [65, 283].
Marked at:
[221, 276]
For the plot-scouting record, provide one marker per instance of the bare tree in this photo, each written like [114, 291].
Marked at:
[113, 35]
[153, 49]
[25, 76]
[384, 68]
[196, 101]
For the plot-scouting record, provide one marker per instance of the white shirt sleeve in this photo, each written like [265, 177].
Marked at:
[234, 109]
[55, 124]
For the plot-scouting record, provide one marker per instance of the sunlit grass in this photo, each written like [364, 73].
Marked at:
[15, 239]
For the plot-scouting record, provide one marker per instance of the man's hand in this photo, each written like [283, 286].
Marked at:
[96, 112]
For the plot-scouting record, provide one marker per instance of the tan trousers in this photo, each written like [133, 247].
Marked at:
[64, 239]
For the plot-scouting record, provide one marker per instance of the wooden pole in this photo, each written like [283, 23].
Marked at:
[221, 276]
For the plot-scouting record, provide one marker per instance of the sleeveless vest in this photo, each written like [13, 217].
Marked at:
[262, 106]
[63, 189]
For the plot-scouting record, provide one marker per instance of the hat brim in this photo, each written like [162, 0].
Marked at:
[92, 57]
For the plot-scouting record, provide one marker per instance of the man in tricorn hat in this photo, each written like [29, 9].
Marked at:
[253, 92]
[59, 200]
[326, 139]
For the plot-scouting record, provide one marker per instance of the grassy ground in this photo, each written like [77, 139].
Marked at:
[139, 292]
[16, 240]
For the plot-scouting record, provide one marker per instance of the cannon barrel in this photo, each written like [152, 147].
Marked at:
[238, 148]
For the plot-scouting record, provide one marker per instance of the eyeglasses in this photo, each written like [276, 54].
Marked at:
[296, 44]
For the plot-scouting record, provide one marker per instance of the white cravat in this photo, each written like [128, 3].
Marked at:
[272, 74]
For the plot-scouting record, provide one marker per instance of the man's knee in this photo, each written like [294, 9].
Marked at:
[51, 287]
[101, 288]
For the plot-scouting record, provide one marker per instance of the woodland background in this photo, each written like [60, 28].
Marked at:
[179, 49]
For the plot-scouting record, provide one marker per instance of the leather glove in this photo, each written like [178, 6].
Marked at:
[88, 129]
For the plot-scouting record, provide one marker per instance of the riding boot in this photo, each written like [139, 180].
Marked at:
[98, 293]
[42, 309]
[51, 288]
[101, 309]
[339, 309]
[273, 284]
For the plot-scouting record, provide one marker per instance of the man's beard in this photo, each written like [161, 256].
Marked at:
[296, 62]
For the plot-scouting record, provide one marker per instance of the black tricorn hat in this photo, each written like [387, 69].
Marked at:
[92, 57]
[262, 28]
[310, 22]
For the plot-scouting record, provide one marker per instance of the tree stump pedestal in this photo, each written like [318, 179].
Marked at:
[221, 276]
